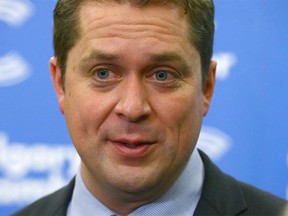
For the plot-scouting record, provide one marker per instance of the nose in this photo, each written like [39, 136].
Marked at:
[133, 104]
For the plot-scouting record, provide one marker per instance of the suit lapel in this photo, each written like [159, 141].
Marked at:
[221, 194]
[63, 199]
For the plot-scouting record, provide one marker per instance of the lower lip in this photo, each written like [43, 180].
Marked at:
[138, 151]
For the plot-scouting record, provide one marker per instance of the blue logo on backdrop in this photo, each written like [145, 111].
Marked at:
[225, 61]
[14, 68]
[214, 142]
[15, 12]
[29, 171]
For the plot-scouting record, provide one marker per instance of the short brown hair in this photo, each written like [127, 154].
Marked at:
[200, 17]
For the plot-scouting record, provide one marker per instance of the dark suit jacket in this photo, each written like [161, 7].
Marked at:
[221, 195]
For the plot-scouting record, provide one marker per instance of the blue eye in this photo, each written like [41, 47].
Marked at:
[103, 73]
[161, 75]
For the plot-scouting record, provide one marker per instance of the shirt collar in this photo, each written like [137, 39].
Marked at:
[181, 199]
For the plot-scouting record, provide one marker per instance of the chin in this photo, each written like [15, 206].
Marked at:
[135, 181]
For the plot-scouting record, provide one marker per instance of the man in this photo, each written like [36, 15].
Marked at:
[134, 80]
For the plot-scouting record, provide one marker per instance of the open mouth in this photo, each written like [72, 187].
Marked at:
[133, 146]
[132, 150]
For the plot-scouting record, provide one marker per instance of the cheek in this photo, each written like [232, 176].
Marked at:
[182, 111]
[84, 113]
[182, 117]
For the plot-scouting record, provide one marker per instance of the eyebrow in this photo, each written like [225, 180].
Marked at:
[172, 57]
[167, 56]
[97, 55]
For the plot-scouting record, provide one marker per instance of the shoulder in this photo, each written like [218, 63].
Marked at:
[228, 196]
[52, 204]
[260, 201]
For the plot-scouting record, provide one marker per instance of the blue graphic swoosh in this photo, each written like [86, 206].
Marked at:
[15, 12]
[13, 70]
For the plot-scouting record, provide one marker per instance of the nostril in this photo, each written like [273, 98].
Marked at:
[133, 109]
[133, 104]
[133, 114]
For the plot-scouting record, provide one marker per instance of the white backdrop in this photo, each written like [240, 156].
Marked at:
[245, 133]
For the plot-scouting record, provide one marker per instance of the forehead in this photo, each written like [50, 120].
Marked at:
[122, 29]
[132, 36]
[95, 14]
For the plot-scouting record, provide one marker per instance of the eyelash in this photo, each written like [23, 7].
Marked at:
[96, 71]
[173, 74]
[171, 77]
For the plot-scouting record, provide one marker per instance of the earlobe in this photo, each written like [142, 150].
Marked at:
[55, 72]
[209, 87]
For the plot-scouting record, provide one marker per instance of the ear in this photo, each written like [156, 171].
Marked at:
[57, 82]
[209, 86]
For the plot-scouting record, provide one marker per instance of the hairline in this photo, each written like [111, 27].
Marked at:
[179, 4]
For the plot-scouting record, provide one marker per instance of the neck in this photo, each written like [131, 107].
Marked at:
[123, 202]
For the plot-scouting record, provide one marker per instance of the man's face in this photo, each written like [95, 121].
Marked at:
[133, 98]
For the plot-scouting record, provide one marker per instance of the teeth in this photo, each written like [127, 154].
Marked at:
[131, 146]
